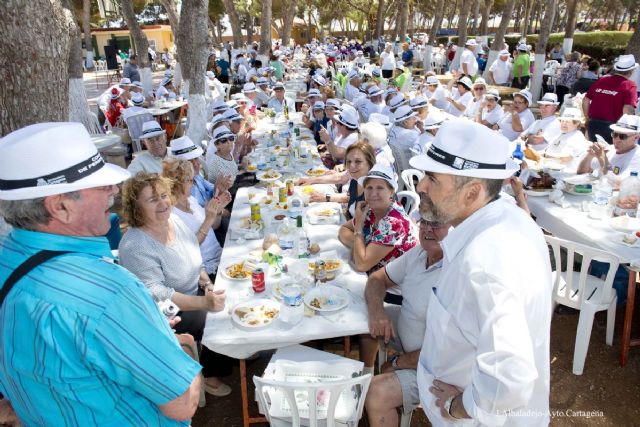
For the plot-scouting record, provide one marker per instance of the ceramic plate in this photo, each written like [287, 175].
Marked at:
[326, 298]
[255, 314]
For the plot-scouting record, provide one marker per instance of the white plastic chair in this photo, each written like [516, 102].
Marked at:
[401, 163]
[134, 125]
[409, 177]
[584, 292]
[410, 200]
[345, 396]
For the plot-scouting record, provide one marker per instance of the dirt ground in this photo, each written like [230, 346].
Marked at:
[605, 395]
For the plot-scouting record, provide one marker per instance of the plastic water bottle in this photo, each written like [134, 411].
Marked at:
[602, 192]
[518, 154]
[286, 236]
[301, 243]
[292, 308]
[627, 203]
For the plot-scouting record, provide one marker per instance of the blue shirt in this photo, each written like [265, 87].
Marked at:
[224, 67]
[407, 57]
[81, 341]
[202, 190]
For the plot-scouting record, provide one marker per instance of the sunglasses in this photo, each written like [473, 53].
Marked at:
[620, 136]
[225, 140]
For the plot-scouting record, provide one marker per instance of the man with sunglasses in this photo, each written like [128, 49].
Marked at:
[401, 327]
[624, 158]
[154, 139]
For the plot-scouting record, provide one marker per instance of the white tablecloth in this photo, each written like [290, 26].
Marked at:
[103, 141]
[573, 224]
[167, 107]
[222, 336]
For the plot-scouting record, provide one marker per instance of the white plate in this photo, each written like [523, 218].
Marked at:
[625, 224]
[330, 298]
[251, 315]
[539, 193]
[260, 176]
[226, 267]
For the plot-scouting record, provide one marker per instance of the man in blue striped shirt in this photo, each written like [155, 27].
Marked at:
[81, 341]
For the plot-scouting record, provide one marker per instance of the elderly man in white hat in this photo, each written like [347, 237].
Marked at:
[404, 132]
[263, 92]
[610, 97]
[278, 100]
[154, 139]
[518, 118]
[352, 88]
[347, 126]
[420, 105]
[500, 71]
[546, 129]
[137, 99]
[435, 92]
[621, 159]
[373, 103]
[468, 61]
[98, 326]
[485, 355]
[394, 103]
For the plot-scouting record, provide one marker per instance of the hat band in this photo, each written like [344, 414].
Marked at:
[224, 135]
[184, 150]
[66, 176]
[458, 162]
[152, 130]
[346, 123]
[406, 116]
[378, 174]
[626, 126]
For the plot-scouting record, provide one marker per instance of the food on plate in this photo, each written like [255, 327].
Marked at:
[252, 168]
[256, 316]
[316, 172]
[314, 248]
[271, 174]
[627, 202]
[240, 270]
[316, 303]
[279, 217]
[325, 301]
[325, 212]
[249, 224]
[329, 264]
[543, 182]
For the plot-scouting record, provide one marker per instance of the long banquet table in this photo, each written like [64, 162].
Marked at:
[221, 334]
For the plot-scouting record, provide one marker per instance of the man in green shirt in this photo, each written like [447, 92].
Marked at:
[521, 65]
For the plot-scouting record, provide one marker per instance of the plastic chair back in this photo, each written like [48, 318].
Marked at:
[409, 200]
[346, 394]
[410, 176]
[134, 124]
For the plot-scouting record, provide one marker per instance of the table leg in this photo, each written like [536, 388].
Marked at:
[246, 419]
[347, 346]
[628, 318]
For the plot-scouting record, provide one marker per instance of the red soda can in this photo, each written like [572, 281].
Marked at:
[257, 280]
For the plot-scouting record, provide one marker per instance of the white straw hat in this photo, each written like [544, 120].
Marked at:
[403, 113]
[628, 124]
[571, 113]
[52, 158]
[465, 148]
[349, 118]
[380, 171]
[183, 148]
[549, 99]
[151, 129]
[625, 63]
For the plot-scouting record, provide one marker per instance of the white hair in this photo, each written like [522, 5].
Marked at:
[375, 134]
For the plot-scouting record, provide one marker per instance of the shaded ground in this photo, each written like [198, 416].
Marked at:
[606, 394]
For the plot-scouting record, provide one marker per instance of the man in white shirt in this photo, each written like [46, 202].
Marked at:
[547, 129]
[485, 355]
[373, 104]
[402, 327]
[347, 124]
[137, 99]
[460, 97]
[278, 101]
[404, 133]
[436, 93]
[625, 155]
[468, 61]
[500, 70]
[264, 92]
[352, 89]
[519, 118]
[154, 139]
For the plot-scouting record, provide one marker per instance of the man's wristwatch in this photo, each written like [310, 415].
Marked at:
[394, 361]
[327, 197]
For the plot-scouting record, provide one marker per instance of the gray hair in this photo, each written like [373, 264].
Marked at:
[28, 214]
[491, 186]
[375, 134]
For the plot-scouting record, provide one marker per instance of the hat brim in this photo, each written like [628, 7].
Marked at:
[425, 163]
[392, 183]
[342, 122]
[190, 155]
[548, 103]
[402, 119]
[624, 70]
[152, 134]
[109, 174]
[614, 127]
[378, 93]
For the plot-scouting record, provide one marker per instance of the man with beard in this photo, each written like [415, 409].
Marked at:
[485, 354]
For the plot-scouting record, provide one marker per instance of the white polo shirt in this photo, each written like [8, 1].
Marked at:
[488, 320]
[621, 165]
[494, 115]
[345, 142]
[548, 127]
[469, 58]
[501, 71]
[506, 128]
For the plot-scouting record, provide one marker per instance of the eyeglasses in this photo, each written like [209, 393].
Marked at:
[518, 102]
[431, 224]
[225, 140]
[620, 136]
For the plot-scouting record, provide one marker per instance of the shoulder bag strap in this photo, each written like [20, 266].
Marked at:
[24, 268]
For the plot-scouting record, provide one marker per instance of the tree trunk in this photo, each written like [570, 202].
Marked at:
[570, 28]
[380, 19]
[498, 41]
[486, 13]
[476, 15]
[214, 40]
[141, 46]
[265, 28]
[462, 32]
[526, 24]
[541, 46]
[192, 50]
[433, 31]
[234, 20]
[250, 30]
[86, 28]
[634, 42]
[34, 48]
[403, 17]
[288, 14]
[174, 20]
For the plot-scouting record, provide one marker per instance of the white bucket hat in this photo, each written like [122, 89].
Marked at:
[380, 171]
[628, 124]
[52, 158]
[465, 148]
[318, 105]
[151, 129]
[549, 99]
[183, 148]
[625, 63]
[349, 118]
[525, 94]
[571, 113]
[471, 42]
[231, 115]
[314, 93]
[222, 132]
[403, 113]
[418, 102]
[248, 88]
[383, 119]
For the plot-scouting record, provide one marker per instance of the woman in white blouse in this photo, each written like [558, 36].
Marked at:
[490, 111]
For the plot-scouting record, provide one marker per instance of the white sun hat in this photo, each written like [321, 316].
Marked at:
[45, 159]
[183, 148]
[314, 93]
[493, 93]
[465, 148]
[434, 120]
[349, 118]
[137, 99]
[380, 171]
[248, 88]
[525, 94]
[219, 105]
[571, 113]
[418, 102]
[549, 99]
[333, 103]
[625, 63]
[403, 113]
[471, 42]
[628, 124]
[397, 101]
[150, 129]
[318, 105]
[374, 91]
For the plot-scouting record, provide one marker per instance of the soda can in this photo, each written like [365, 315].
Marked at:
[320, 271]
[282, 195]
[255, 212]
[290, 187]
[257, 280]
